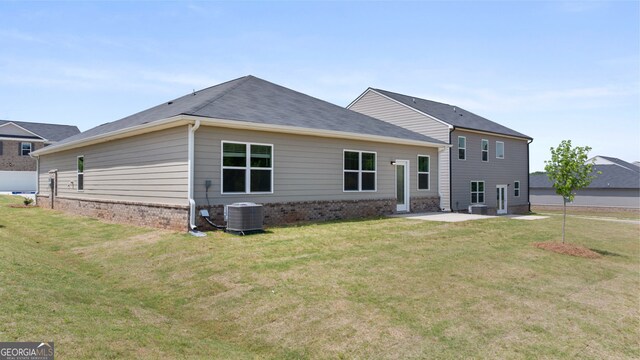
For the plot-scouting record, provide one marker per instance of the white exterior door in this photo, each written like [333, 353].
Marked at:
[402, 185]
[501, 198]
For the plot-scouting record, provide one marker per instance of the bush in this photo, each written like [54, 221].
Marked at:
[28, 201]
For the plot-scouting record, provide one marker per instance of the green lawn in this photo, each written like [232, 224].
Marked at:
[386, 288]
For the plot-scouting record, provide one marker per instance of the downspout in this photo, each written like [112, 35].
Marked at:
[191, 175]
[528, 176]
[451, 129]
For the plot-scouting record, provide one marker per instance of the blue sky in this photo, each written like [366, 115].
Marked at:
[551, 70]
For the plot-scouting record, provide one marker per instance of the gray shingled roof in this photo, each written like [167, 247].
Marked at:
[612, 177]
[254, 100]
[51, 132]
[452, 114]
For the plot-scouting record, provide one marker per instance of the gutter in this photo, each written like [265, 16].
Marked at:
[191, 173]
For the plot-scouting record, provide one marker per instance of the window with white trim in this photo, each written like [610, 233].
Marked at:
[477, 192]
[25, 148]
[516, 188]
[359, 171]
[499, 150]
[462, 148]
[247, 168]
[80, 168]
[424, 169]
[484, 147]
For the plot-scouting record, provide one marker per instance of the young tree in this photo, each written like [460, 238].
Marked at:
[569, 171]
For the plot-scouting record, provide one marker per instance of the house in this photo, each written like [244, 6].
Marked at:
[487, 163]
[246, 140]
[17, 140]
[617, 187]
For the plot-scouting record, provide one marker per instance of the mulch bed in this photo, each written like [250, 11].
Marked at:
[568, 249]
[21, 206]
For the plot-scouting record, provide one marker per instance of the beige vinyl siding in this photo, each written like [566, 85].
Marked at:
[494, 172]
[383, 108]
[443, 179]
[149, 168]
[12, 129]
[306, 168]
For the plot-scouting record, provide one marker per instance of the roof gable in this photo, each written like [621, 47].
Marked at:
[451, 114]
[10, 129]
[253, 100]
[613, 175]
[49, 132]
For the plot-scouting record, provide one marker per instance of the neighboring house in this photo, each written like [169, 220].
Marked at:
[246, 140]
[617, 187]
[17, 140]
[487, 164]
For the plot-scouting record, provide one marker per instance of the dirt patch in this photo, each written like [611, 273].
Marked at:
[568, 249]
[21, 206]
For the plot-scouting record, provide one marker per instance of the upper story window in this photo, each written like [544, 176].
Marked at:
[0, 147]
[477, 192]
[499, 150]
[359, 171]
[516, 188]
[462, 148]
[25, 148]
[80, 168]
[424, 167]
[485, 149]
[247, 168]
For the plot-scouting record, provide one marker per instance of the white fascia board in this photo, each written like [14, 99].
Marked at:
[491, 133]
[235, 124]
[179, 120]
[167, 123]
[358, 98]
[23, 129]
[21, 139]
[410, 107]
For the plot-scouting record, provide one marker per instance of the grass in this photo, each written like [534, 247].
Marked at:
[615, 214]
[385, 288]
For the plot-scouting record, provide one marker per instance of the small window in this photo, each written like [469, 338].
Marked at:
[477, 192]
[516, 188]
[499, 150]
[485, 149]
[25, 148]
[247, 168]
[424, 167]
[359, 171]
[80, 173]
[0, 147]
[462, 148]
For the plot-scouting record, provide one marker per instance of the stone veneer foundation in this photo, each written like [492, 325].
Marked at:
[288, 213]
[175, 217]
[172, 217]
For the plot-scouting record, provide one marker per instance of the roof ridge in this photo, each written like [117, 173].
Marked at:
[419, 98]
[241, 80]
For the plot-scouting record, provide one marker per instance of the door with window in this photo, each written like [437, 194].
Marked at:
[501, 198]
[402, 185]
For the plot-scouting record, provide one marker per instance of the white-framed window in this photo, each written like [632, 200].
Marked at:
[499, 150]
[424, 170]
[462, 148]
[484, 147]
[80, 168]
[25, 148]
[477, 192]
[247, 168]
[516, 188]
[359, 170]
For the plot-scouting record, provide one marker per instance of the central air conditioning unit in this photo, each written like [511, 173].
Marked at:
[245, 217]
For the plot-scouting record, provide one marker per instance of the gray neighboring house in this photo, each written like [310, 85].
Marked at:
[246, 140]
[17, 140]
[487, 163]
[617, 187]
